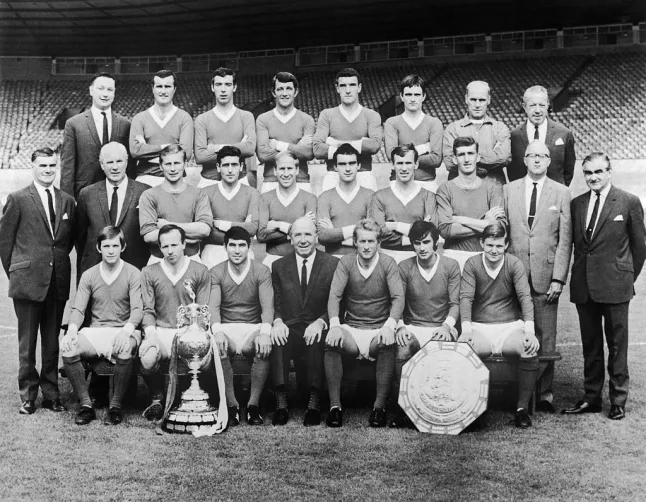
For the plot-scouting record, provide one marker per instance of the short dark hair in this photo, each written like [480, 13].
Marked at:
[420, 229]
[223, 72]
[402, 151]
[237, 234]
[370, 225]
[42, 152]
[595, 156]
[495, 231]
[463, 141]
[110, 232]
[229, 151]
[171, 149]
[348, 72]
[165, 74]
[102, 74]
[345, 149]
[412, 81]
[284, 77]
[167, 229]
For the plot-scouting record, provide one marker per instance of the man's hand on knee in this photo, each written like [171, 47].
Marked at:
[530, 344]
[150, 342]
[335, 337]
[279, 333]
[70, 340]
[121, 343]
[314, 332]
[386, 336]
[467, 335]
[402, 336]
[445, 333]
[263, 345]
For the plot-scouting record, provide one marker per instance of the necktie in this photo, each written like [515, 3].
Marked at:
[106, 136]
[536, 136]
[304, 278]
[593, 219]
[532, 207]
[50, 205]
[114, 207]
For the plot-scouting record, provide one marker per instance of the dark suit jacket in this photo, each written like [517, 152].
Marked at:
[81, 147]
[562, 156]
[27, 249]
[288, 304]
[606, 268]
[93, 215]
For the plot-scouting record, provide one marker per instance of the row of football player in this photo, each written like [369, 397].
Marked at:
[287, 129]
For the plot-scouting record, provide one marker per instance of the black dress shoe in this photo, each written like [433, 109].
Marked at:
[85, 416]
[154, 412]
[377, 418]
[334, 418]
[27, 408]
[281, 417]
[253, 415]
[523, 421]
[401, 421]
[582, 407]
[546, 407]
[53, 404]
[234, 416]
[114, 416]
[617, 412]
[312, 417]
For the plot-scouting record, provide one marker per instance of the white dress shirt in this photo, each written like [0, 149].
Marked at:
[542, 131]
[98, 121]
[529, 187]
[43, 198]
[308, 265]
[602, 200]
[121, 194]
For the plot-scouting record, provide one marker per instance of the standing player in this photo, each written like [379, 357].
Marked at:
[432, 302]
[348, 123]
[242, 310]
[176, 202]
[402, 203]
[224, 125]
[285, 129]
[491, 136]
[417, 128]
[281, 207]
[338, 209]
[232, 204]
[161, 125]
[165, 286]
[369, 285]
[466, 204]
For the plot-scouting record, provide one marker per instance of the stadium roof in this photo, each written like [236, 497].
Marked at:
[173, 27]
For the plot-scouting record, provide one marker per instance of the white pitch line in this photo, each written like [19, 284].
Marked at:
[578, 344]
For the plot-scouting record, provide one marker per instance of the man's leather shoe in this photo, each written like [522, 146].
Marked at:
[53, 404]
[281, 417]
[546, 407]
[85, 415]
[377, 418]
[582, 407]
[114, 416]
[253, 416]
[312, 417]
[154, 412]
[617, 412]
[523, 420]
[234, 416]
[27, 408]
[401, 421]
[334, 418]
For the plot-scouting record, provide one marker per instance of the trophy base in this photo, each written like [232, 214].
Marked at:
[194, 413]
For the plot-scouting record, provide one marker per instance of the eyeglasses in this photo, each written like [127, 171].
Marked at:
[539, 156]
[598, 172]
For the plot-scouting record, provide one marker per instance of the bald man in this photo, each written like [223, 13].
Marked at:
[491, 136]
[540, 235]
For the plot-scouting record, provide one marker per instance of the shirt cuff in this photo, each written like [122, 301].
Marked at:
[335, 323]
[529, 327]
[466, 326]
[400, 324]
[391, 323]
[450, 321]
[403, 228]
[356, 144]
[405, 241]
[150, 330]
[224, 225]
[423, 148]
[325, 326]
[276, 320]
[130, 328]
[330, 141]
[281, 146]
[265, 328]
[215, 327]
[283, 226]
[348, 231]
[330, 152]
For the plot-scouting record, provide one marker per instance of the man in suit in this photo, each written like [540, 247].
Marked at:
[540, 234]
[301, 282]
[36, 237]
[558, 139]
[110, 202]
[86, 132]
[609, 253]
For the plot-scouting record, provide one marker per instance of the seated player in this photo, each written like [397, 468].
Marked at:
[402, 203]
[338, 209]
[368, 282]
[165, 286]
[233, 204]
[174, 202]
[113, 290]
[467, 204]
[497, 313]
[242, 310]
[281, 207]
[432, 302]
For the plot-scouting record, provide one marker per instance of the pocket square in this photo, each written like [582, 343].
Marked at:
[554, 208]
[619, 217]
[137, 206]
[559, 142]
[65, 217]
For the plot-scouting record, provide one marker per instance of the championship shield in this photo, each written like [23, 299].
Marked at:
[444, 387]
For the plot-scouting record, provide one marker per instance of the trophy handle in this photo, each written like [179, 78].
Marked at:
[223, 412]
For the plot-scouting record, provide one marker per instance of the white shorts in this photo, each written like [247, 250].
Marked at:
[213, 254]
[270, 259]
[204, 182]
[103, 338]
[398, 256]
[365, 178]
[153, 181]
[153, 259]
[240, 333]
[496, 334]
[165, 337]
[268, 186]
[424, 334]
[460, 256]
[363, 338]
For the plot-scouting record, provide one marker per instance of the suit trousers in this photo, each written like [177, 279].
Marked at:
[46, 315]
[593, 318]
[297, 349]
[545, 316]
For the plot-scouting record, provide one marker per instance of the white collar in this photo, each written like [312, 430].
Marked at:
[110, 277]
[427, 276]
[310, 260]
[350, 197]
[175, 278]
[492, 272]
[158, 120]
[97, 114]
[285, 118]
[41, 191]
[224, 117]
[234, 275]
[603, 194]
[403, 198]
[539, 184]
[121, 187]
[542, 130]
[350, 117]
[366, 273]
[413, 123]
[287, 201]
[232, 194]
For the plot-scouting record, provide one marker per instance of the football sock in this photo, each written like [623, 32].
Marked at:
[76, 375]
[229, 389]
[122, 373]
[527, 373]
[384, 374]
[333, 374]
[259, 373]
[155, 384]
[281, 397]
[315, 399]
